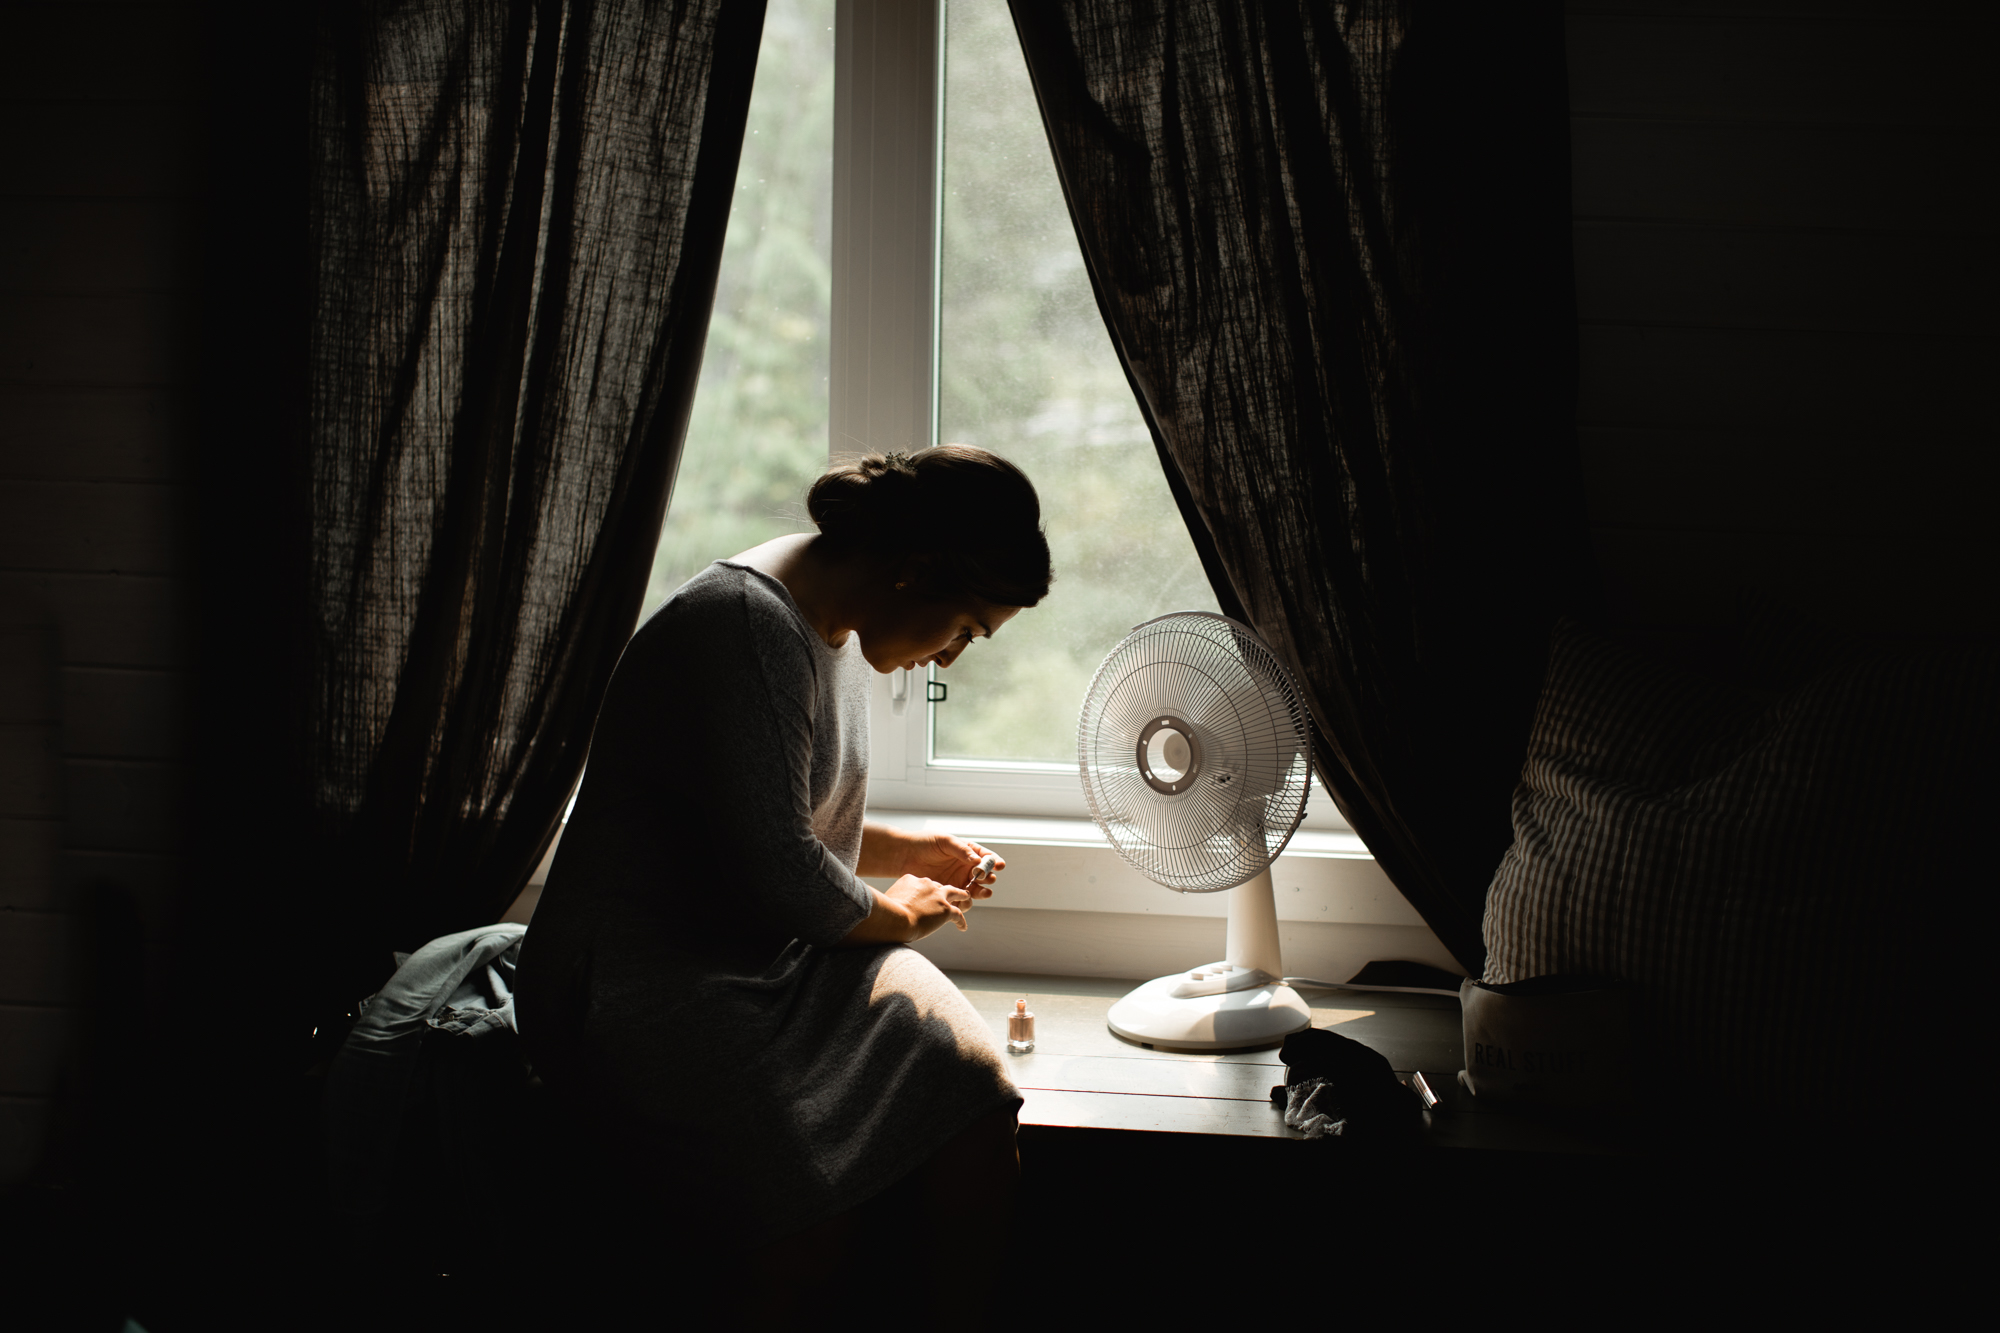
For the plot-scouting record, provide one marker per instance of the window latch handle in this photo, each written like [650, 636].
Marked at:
[934, 691]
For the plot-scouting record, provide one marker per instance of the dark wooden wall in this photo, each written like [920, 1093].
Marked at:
[99, 164]
[1785, 279]
[1784, 267]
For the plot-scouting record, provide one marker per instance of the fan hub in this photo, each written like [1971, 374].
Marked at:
[1169, 755]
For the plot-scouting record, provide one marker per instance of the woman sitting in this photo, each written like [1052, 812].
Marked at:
[708, 986]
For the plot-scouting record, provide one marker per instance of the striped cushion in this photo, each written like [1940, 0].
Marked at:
[1744, 857]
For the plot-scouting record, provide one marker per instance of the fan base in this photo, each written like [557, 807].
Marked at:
[1243, 1020]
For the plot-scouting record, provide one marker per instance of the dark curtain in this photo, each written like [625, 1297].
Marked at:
[458, 261]
[1331, 244]
[517, 215]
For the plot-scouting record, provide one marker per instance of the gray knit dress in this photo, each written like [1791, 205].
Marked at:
[677, 985]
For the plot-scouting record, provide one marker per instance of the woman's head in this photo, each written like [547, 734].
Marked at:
[964, 523]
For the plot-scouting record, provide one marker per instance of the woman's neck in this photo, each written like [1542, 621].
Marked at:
[820, 582]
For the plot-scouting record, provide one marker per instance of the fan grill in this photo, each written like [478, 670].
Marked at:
[1217, 678]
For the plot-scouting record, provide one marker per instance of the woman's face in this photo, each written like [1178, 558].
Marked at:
[910, 632]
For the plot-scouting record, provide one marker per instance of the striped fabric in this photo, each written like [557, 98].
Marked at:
[1748, 859]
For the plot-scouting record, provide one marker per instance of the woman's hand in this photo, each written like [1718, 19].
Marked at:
[950, 860]
[930, 903]
[912, 908]
[888, 852]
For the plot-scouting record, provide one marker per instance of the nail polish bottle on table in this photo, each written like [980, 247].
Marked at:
[1020, 1029]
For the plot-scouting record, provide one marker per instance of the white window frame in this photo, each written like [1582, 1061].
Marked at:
[888, 167]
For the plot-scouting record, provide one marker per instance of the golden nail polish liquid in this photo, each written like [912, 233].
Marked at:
[1020, 1029]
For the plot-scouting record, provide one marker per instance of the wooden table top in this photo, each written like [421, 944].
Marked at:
[1081, 1074]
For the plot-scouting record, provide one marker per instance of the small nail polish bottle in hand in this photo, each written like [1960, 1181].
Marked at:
[1020, 1029]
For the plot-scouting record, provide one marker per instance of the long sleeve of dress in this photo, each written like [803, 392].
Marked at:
[699, 804]
[791, 880]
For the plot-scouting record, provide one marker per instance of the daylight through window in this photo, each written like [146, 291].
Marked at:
[1027, 370]
[757, 435]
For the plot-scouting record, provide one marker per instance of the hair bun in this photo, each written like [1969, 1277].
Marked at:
[917, 504]
[856, 499]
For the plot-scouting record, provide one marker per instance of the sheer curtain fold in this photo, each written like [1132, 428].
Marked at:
[517, 213]
[1331, 244]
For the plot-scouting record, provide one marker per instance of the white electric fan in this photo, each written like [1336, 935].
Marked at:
[1196, 752]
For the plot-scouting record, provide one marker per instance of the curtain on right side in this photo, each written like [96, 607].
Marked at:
[1331, 244]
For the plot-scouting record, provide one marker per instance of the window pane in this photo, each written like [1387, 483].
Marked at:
[758, 433]
[1027, 370]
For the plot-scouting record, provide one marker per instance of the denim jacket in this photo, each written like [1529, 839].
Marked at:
[425, 1090]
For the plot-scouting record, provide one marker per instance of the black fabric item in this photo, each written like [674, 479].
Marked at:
[1317, 1051]
[1342, 1079]
[1402, 975]
[517, 214]
[1331, 245]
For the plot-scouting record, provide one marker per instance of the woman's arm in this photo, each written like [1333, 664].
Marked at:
[735, 804]
[884, 850]
[888, 852]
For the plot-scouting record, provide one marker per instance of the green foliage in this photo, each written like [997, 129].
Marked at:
[1028, 371]
[757, 435]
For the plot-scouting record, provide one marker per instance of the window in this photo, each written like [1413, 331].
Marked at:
[900, 269]
[1026, 369]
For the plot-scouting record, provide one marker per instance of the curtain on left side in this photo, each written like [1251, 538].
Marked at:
[517, 213]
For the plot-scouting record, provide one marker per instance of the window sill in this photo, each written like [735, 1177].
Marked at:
[1069, 904]
[1068, 865]
[1036, 831]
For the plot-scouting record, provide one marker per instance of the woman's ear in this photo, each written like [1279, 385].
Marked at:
[913, 573]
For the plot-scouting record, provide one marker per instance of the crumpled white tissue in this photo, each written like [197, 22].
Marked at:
[1313, 1109]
